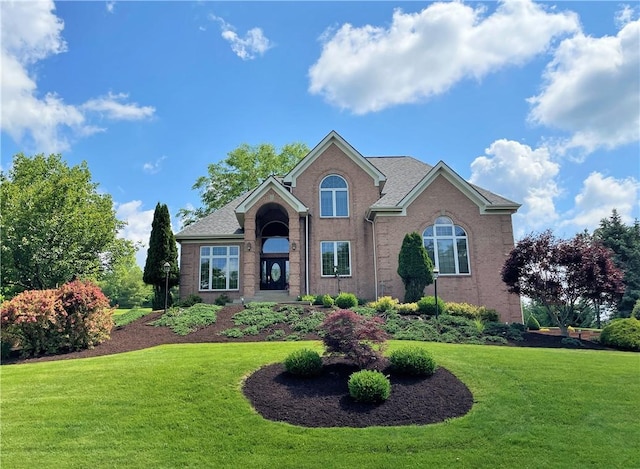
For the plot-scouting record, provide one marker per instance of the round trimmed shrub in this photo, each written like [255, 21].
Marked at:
[327, 301]
[427, 305]
[412, 360]
[623, 334]
[303, 362]
[346, 300]
[369, 386]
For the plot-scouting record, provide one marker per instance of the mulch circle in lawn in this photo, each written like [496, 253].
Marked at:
[324, 401]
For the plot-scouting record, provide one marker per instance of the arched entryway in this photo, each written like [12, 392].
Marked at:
[272, 223]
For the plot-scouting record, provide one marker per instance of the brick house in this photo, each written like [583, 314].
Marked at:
[338, 211]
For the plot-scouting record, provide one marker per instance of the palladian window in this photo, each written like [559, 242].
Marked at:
[334, 197]
[448, 247]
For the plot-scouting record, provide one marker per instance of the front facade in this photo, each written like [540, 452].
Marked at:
[336, 222]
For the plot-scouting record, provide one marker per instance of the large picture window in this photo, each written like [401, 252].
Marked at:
[219, 267]
[334, 197]
[448, 246]
[336, 254]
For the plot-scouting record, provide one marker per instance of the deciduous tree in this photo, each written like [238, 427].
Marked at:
[414, 267]
[55, 225]
[243, 169]
[162, 248]
[561, 274]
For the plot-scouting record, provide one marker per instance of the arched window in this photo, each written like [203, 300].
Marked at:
[448, 246]
[334, 197]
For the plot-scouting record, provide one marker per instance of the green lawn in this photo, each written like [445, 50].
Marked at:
[181, 406]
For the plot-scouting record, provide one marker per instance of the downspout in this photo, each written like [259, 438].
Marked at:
[306, 253]
[375, 257]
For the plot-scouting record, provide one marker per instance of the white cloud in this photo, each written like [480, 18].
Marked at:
[138, 227]
[525, 175]
[592, 89]
[110, 6]
[113, 107]
[254, 42]
[369, 68]
[31, 32]
[153, 167]
[599, 196]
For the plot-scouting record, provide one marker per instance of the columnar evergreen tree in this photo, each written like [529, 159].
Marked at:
[414, 267]
[162, 248]
[624, 241]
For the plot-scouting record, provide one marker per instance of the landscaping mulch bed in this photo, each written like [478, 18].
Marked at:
[322, 401]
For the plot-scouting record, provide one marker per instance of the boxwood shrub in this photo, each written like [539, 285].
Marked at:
[412, 360]
[346, 300]
[623, 334]
[303, 362]
[427, 305]
[369, 386]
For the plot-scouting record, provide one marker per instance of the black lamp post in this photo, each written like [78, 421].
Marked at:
[335, 271]
[435, 288]
[166, 267]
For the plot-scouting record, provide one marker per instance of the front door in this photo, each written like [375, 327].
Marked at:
[274, 274]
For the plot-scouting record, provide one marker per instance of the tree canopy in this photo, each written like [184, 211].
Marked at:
[54, 224]
[624, 241]
[561, 274]
[414, 267]
[162, 248]
[243, 169]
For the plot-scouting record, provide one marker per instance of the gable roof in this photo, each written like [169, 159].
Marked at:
[271, 183]
[408, 178]
[219, 224]
[334, 138]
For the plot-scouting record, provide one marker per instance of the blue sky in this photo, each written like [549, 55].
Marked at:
[538, 102]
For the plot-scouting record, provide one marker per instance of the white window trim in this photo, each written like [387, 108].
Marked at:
[333, 191]
[228, 257]
[335, 258]
[455, 239]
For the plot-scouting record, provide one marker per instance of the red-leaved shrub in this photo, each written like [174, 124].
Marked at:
[74, 317]
[358, 338]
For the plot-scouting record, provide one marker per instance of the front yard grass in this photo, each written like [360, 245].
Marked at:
[182, 406]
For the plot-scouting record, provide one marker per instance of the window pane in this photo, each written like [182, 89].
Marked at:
[445, 256]
[219, 274]
[444, 231]
[428, 244]
[327, 258]
[275, 245]
[233, 274]
[219, 251]
[428, 231]
[326, 204]
[233, 250]
[344, 267]
[342, 209]
[463, 258]
[204, 274]
[205, 251]
[333, 182]
[460, 231]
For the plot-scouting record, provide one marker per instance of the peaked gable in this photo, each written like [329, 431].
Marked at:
[485, 200]
[271, 183]
[333, 138]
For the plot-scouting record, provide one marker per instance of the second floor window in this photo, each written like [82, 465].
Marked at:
[334, 197]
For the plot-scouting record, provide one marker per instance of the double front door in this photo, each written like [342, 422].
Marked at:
[273, 275]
